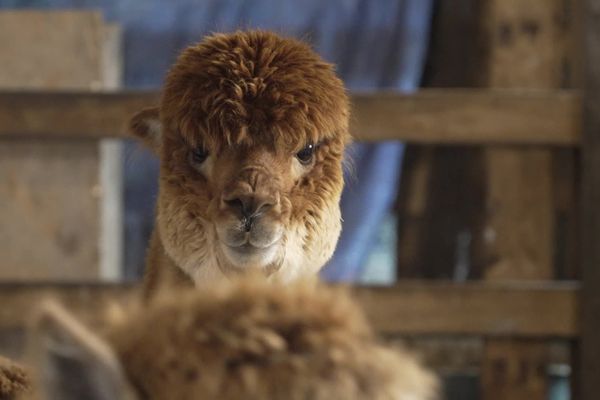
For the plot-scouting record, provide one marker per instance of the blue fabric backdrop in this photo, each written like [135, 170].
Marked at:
[377, 44]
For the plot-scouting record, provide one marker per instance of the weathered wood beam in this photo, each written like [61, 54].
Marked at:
[494, 309]
[70, 114]
[21, 300]
[465, 116]
[441, 116]
[499, 310]
[63, 195]
[524, 46]
[589, 355]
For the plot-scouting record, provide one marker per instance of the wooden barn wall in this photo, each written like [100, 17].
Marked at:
[501, 212]
[60, 199]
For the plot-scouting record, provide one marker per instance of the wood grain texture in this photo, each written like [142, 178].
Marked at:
[111, 150]
[451, 116]
[526, 42]
[70, 115]
[499, 310]
[516, 364]
[589, 354]
[51, 50]
[86, 301]
[526, 310]
[468, 117]
[526, 49]
[51, 191]
[50, 200]
[520, 227]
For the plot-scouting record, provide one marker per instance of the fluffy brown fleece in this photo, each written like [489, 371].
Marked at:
[14, 380]
[254, 341]
[251, 340]
[250, 132]
[247, 340]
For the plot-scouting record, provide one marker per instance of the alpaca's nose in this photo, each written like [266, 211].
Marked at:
[249, 207]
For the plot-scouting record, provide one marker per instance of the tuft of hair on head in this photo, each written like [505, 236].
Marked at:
[237, 87]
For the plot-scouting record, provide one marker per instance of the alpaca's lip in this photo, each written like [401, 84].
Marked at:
[245, 248]
[248, 243]
[250, 248]
[248, 255]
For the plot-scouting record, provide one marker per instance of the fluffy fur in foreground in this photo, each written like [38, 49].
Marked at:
[14, 380]
[250, 131]
[246, 340]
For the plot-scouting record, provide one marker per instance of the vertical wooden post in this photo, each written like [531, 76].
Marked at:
[526, 47]
[514, 370]
[525, 42]
[589, 367]
[61, 205]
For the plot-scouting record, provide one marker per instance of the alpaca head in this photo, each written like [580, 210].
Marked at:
[240, 340]
[251, 132]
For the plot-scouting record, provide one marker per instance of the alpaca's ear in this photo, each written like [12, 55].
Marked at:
[146, 126]
[71, 362]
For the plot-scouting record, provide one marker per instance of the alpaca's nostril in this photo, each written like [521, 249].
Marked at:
[248, 222]
[241, 206]
[262, 207]
[236, 205]
[249, 207]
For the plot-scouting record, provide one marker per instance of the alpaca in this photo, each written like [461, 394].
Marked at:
[246, 339]
[250, 133]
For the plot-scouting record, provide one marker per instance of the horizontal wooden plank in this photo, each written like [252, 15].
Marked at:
[524, 310]
[21, 300]
[491, 309]
[445, 116]
[72, 114]
[470, 117]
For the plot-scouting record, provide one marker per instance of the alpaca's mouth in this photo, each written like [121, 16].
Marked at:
[248, 255]
[261, 237]
[254, 249]
[247, 248]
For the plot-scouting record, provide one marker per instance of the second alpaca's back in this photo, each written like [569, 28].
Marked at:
[248, 340]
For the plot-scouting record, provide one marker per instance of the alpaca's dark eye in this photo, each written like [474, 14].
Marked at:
[199, 155]
[306, 155]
